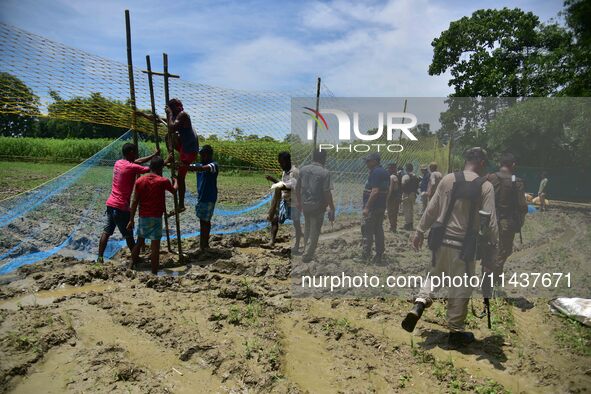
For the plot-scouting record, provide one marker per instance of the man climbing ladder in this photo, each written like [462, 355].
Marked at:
[184, 141]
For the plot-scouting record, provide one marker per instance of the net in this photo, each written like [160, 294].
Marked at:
[40, 78]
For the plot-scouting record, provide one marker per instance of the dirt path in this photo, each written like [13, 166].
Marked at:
[229, 324]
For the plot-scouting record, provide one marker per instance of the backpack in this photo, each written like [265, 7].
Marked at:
[461, 190]
[412, 185]
[506, 198]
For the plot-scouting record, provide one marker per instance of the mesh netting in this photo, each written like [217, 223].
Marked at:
[74, 85]
[65, 216]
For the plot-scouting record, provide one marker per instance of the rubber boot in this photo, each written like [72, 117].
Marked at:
[411, 319]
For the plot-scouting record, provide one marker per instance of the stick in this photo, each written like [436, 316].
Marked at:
[155, 124]
[130, 75]
[317, 109]
[177, 371]
[172, 168]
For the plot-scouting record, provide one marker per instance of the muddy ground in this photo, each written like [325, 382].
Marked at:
[229, 323]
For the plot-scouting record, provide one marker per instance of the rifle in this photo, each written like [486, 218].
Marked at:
[485, 253]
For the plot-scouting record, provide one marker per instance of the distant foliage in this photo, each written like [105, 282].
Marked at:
[18, 106]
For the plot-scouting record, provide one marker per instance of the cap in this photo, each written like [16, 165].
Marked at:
[423, 167]
[475, 154]
[372, 156]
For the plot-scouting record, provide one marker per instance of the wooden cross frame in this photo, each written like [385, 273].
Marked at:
[169, 146]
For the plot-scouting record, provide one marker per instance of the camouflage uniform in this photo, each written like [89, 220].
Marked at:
[511, 208]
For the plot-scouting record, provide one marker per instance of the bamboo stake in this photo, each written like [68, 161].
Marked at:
[173, 161]
[130, 75]
[317, 109]
[403, 119]
[155, 123]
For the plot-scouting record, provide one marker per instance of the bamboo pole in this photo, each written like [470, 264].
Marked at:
[130, 75]
[171, 150]
[317, 109]
[403, 119]
[155, 123]
[449, 149]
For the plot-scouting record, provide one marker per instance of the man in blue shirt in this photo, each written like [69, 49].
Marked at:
[374, 207]
[207, 192]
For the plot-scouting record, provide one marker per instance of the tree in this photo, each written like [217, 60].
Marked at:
[236, 134]
[86, 117]
[18, 106]
[505, 52]
[495, 56]
[577, 14]
[422, 130]
[544, 131]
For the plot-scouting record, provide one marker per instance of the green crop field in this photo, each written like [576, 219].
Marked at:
[247, 154]
[16, 177]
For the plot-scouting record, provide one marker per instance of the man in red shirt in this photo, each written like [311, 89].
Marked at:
[125, 172]
[184, 141]
[149, 194]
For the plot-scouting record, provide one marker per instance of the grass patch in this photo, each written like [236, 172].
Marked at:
[457, 380]
[574, 336]
[18, 177]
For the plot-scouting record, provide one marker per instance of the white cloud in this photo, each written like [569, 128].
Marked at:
[383, 51]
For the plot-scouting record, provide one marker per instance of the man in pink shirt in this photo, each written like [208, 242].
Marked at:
[125, 173]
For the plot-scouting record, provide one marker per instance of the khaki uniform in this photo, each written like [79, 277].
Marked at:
[408, 203]
[447, 257]
[393, 203]
[434, 180]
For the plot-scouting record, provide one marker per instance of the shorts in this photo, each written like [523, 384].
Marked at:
[186, 158]
[150, 228]
[204, 210]
[287, 212]
[117, 218]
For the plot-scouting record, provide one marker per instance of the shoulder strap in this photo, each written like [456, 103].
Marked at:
[459, 177]
[480, 181]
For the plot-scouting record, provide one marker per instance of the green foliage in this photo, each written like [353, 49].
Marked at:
[577, 14]
[553, 130]
[255, 155]
[86, 117]
[66, 150]
[18, 104]
[575, 336]
[509, 53]
[505, 52]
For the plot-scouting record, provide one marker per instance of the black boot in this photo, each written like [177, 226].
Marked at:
[411, 319]
[460, 339]
[378, 260]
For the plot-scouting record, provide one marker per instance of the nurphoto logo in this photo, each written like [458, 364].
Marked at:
[393, 121]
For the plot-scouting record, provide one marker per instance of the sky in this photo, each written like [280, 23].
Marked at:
[358, 48]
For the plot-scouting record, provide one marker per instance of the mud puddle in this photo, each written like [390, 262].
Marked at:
[62, 368]
[46, 297]
[307, 363]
